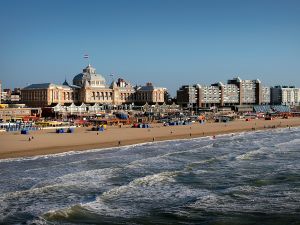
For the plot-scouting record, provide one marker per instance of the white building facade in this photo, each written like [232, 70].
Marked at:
[285, 95]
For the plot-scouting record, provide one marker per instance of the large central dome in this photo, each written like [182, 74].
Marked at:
[88, 77]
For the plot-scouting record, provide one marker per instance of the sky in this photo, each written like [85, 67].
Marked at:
[166, 42]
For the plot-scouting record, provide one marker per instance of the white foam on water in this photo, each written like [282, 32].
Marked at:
[160, 188]
[39, 221]
[151, 163]
[220, 204]
[141, 194]
[107, 204]
[47, 194]
[85, 179]
[267, 199]
[192, 149]
[288, 143]
[251, 154]
[243, 189]
[32, 158]
[197, 172]
[150, 181]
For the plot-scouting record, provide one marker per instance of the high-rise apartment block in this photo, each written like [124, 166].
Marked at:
[187, 96]
[285, 95]
[235, 92]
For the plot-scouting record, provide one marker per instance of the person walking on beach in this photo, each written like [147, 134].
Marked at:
[29, 139]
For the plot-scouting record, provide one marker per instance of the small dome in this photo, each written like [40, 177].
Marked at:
[65, 82]
[89, 77]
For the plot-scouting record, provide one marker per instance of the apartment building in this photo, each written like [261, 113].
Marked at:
[285, 95]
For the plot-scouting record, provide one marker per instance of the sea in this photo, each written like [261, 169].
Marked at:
[245, 178]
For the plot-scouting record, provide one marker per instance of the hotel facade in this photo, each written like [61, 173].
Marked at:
[89, 87]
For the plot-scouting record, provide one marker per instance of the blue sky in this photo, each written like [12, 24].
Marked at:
[167, 42]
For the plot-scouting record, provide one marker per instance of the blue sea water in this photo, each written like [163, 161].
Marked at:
[247, 178]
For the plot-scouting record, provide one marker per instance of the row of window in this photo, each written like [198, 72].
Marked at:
[97, 82]
[68, 96]
[102, 95]
[34, 95]
[205, 98]
[126, 96]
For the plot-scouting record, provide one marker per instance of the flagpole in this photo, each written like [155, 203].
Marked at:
[112, 77]
[86, 56]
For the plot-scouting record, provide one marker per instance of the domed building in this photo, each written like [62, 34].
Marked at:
[93, 88]
[90, 88]
[89, 78]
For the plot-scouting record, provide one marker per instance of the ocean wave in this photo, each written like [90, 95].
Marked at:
[192, 149]
[103, 208]
[80, 179]
[249, 199]
[287, 143]
[56, 193]
[111, 202]
[150, 164]
[209, 160]
[252, 154]
[160, 179]
[142, 194]
[233, 175]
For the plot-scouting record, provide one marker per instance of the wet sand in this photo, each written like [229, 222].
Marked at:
[13, 144]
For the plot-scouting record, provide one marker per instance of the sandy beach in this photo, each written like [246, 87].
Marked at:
[14, 144]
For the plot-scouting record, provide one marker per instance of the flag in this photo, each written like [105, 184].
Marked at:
[86, 56]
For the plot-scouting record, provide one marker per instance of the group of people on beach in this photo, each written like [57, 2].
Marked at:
[30, 138]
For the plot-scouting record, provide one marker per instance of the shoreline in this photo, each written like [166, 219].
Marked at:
[47, 142]
[129, 145]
